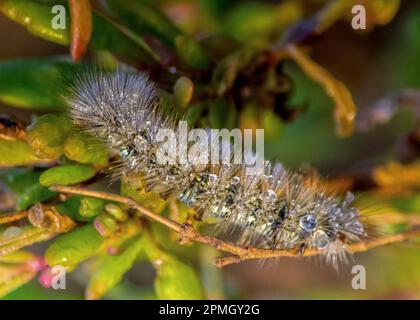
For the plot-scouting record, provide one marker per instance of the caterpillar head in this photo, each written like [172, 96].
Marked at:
[329, 225]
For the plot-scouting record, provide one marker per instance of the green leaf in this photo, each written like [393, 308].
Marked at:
[35, 84]
[183, 91]
[106, 35]
[70, 207]
[16, 153]
[260, 22]
[34, 194]
[18, 257]
[144, 19]
[17, 180]
[384, 10]
[36, 17]
[83, 148]
[273, 127]
[82, 209]
[74, 247]
[106, 225]
[46, 135]
[112, 270]
[24, 184]
[151, 200]
[15, 238]
[116, 212]
[175, 280]
[66, 175]
[12, 277]
[91, 207]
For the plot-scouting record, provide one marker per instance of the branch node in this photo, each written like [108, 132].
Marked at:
[185, 233]
[220, 262]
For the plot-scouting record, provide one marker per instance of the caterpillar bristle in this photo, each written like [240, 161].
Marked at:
[272, 208]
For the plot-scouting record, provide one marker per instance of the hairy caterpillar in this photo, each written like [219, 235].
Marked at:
[273, 208]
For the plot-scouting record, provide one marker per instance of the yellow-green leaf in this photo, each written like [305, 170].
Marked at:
[66, 175]
[46, 135]
[112, 269]
[74, 247]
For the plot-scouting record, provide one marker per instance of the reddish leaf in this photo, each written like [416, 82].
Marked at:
[81, 27]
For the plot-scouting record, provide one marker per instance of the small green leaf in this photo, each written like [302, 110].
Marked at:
[15, 238]
[66, 175]
[175, 280]
[35, 84]
[34, 194]
[183, 91]
[82, 209]
[83, 148]
[18, 257]
[46, 135]
[150, 200]
[70, 207]
[17, 180]
[273, 127]
[112, 269]
[91, 207]
[144, 19]
[384, 10]
[14, 276]
[36, 17]
[74, 247]
[105, 224]
[24, 184]
[116, 212]
[16, 153]
[268, 21]
[106, 35]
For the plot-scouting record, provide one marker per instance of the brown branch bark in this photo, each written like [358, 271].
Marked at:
[11, 217]
[188, 234]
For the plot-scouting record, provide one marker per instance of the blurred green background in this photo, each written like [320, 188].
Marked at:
[373, 64]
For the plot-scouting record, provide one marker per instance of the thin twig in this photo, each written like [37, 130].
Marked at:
[189, 234]
[253, 254]
[175, 226]
[11, 217]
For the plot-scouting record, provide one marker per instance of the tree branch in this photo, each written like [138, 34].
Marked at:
[238, 254]
[12, 217]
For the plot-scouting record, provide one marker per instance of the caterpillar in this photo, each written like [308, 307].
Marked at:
[273, 208]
